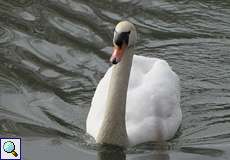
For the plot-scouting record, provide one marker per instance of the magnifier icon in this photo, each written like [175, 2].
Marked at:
[9, 147]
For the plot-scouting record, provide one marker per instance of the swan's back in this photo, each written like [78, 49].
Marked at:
[152, 105]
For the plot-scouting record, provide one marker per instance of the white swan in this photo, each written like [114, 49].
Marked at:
[138, 99]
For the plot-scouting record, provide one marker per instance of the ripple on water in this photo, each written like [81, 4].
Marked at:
[80, 32]
[50, 73]
[20, 3]
[46, 51]
[27, 16]
[63, 57]
[77, 6]
[6, 35]
[9, 83]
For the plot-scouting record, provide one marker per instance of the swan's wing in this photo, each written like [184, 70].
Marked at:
[153, 101]
[97, 109]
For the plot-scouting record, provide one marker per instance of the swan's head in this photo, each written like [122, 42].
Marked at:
[125, 36]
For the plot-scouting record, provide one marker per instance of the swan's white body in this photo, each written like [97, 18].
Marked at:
[152, 106]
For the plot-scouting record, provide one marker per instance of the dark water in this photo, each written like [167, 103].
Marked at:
[54, 52]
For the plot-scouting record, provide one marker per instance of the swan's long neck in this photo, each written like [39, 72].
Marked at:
[113, 129]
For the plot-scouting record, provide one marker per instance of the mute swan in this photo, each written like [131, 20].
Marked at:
[138, 99]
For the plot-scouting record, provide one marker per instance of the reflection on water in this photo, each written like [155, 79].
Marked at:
[203, 151]
[110, 152]
[54, 52]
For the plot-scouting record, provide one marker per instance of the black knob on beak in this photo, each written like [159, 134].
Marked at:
[120, 38]
[114, 61]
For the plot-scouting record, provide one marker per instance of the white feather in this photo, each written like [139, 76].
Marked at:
[152, 106]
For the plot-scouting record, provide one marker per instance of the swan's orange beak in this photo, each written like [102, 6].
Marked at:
[118, 53]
